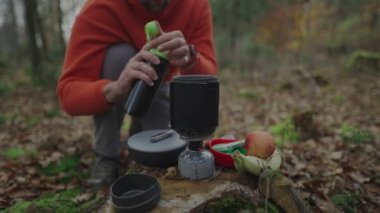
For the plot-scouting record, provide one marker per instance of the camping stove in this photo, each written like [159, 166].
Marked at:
[194, 103]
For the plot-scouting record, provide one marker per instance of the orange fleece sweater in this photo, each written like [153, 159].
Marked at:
[102, 23]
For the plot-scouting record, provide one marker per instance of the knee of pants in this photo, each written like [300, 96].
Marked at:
[117, 56]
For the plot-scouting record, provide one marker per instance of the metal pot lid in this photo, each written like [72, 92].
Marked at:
[155, 141]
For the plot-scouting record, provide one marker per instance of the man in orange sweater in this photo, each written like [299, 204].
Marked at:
[107, 52]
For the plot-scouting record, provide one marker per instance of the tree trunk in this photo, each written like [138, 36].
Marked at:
[30, 22]
[44, 50]
[13, 30]
[233, 29]
[60, 24]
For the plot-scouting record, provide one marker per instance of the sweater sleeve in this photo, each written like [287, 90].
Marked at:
[80, 89]
[202, 38]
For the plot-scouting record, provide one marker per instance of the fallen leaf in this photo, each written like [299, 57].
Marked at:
[83, 197]
[372, 188]
[337, 155]
[21, 179]
[31, 170]
[71, 150]
[358, 177]
[27, 195]
[4, 203]
[337, 171]
[324, 205]
[74, 183]
[53, 158]
[4, 177]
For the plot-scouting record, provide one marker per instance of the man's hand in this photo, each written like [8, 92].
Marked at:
[135, 69]
[175, 44]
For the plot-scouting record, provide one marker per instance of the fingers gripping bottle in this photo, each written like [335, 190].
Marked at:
[142, 95]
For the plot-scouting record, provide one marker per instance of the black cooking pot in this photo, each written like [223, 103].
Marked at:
[157, 148]
[194, 106]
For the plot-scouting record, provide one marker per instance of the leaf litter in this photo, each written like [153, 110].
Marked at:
[333, 162]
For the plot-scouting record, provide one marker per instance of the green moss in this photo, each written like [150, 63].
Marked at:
[18, 208]
[14, 153]
[271, 209]
[229, 203]
[52, 202]
[4, 118]
[53, 113]
[284, 131]
[67, 164]
[246, 93]
[34, 120]
[363, 60]
[87, 206]
[338, 99]
[346, 200]
[59, 202]
[5, 89]
[78, 174]
[351, 134]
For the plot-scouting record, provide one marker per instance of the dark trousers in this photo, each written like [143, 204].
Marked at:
[108, 124]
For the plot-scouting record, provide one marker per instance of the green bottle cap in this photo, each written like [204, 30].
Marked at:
[151, 31]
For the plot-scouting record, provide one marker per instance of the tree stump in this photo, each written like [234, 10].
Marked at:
[274, 185]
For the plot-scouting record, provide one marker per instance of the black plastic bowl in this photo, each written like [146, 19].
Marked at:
[135, 193]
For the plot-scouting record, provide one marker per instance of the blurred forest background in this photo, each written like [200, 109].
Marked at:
[308, 71]
[249, 35]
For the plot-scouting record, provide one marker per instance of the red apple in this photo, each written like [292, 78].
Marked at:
[260, 144]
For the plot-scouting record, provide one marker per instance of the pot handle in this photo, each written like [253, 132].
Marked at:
[161, 136]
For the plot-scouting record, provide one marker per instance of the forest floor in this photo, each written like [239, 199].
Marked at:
[326, 123]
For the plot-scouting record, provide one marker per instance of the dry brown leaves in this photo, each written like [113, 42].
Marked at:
[320, 165]
[45, 140]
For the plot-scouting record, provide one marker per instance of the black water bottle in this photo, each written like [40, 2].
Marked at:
[141, 96]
